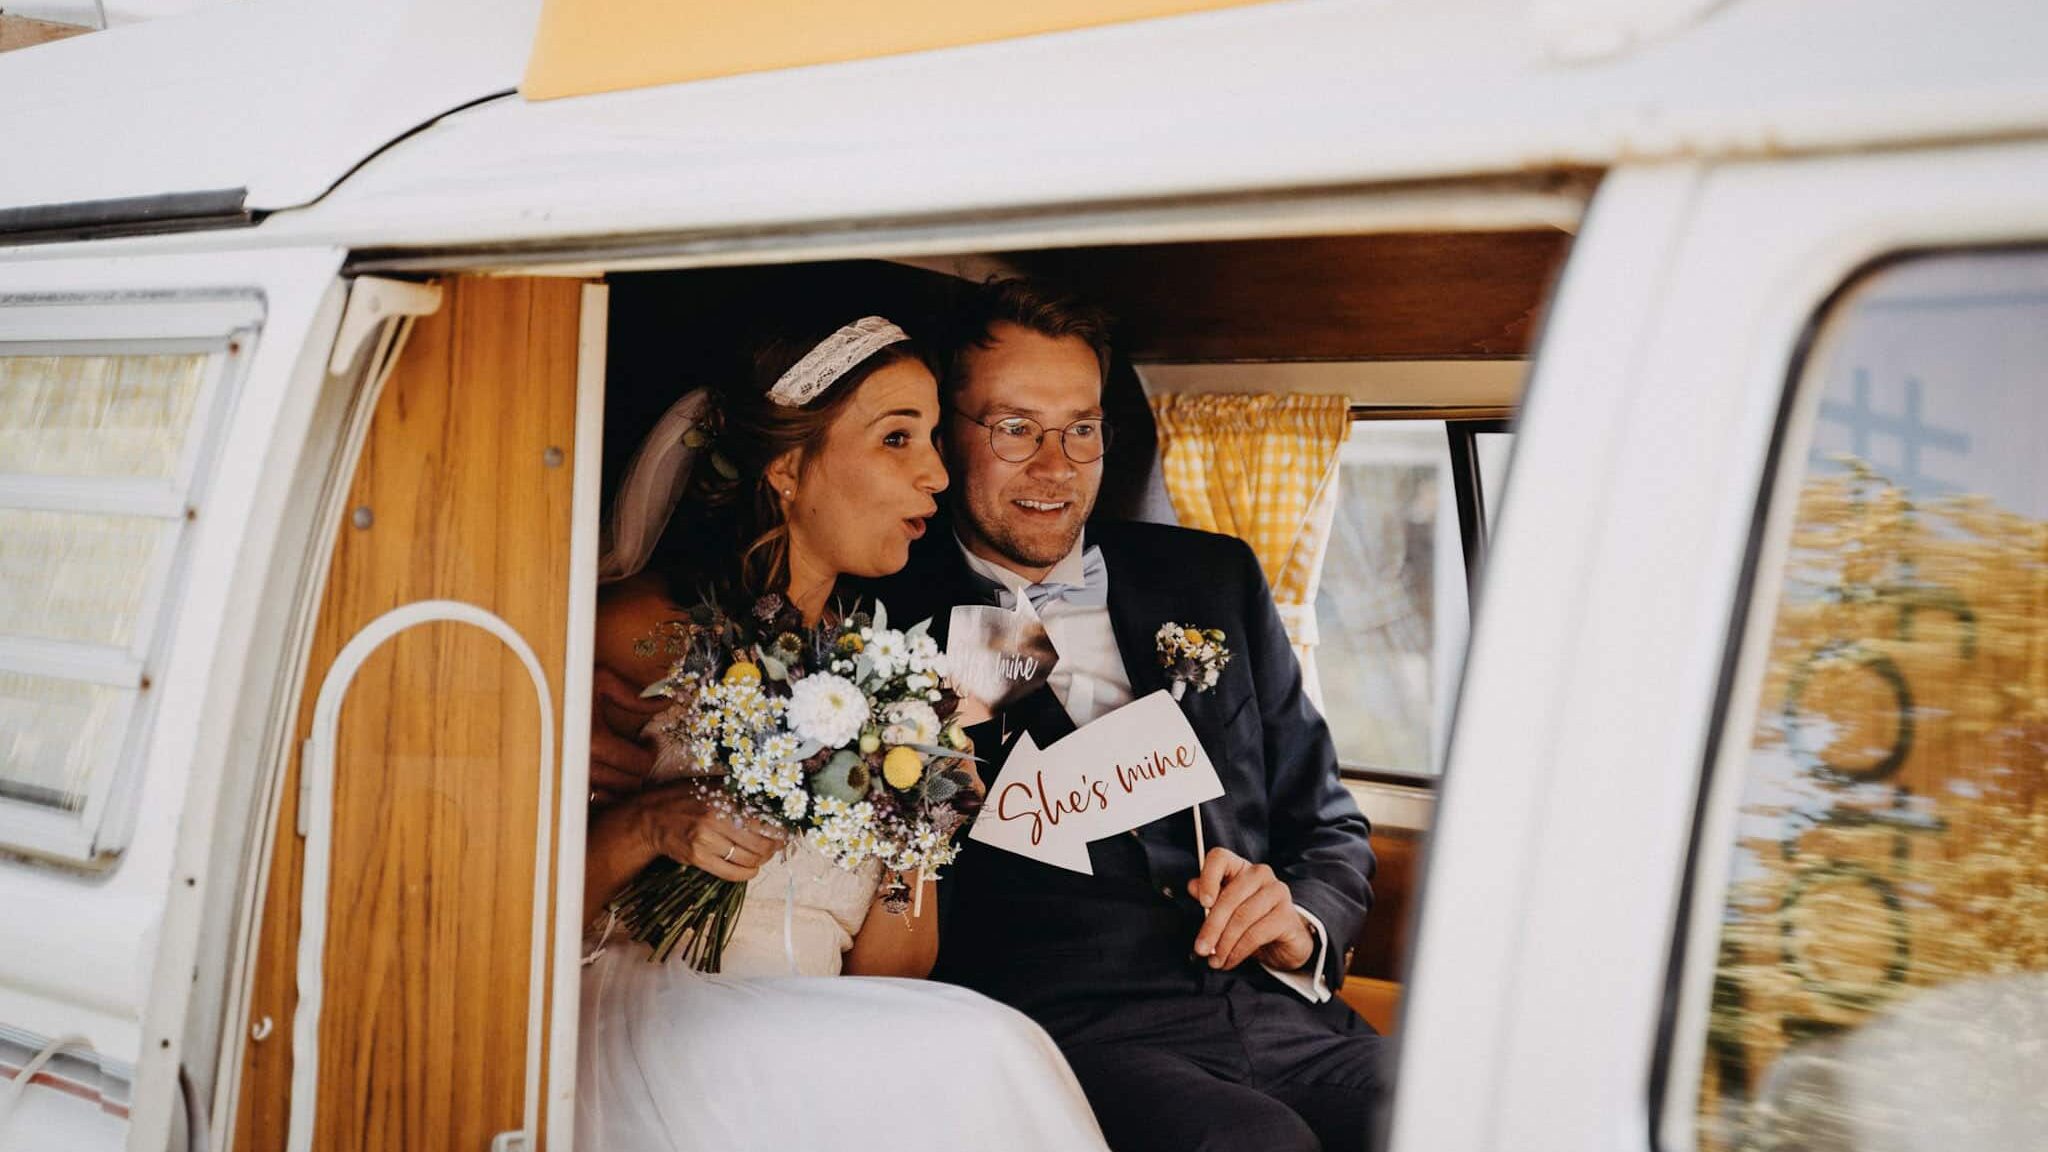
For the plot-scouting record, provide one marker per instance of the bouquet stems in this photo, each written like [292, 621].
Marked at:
[669, 905]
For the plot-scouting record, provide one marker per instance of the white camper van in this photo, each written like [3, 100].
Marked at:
[321, 325]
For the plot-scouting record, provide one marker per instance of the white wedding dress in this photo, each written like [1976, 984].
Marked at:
[757, 1058]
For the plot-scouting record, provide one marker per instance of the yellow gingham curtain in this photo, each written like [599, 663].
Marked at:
[1262, 468]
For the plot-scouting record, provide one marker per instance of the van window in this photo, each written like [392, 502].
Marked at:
[1391, 610]
[102, 447]
[1882, 957]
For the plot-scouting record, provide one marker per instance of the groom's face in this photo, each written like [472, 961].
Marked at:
[1024, 514]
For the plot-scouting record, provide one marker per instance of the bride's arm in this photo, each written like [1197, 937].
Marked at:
[627, 613]
[670, 821]
[892, 944]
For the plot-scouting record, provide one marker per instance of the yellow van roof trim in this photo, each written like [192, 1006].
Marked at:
[587, 46]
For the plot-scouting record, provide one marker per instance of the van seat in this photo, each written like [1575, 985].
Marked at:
[1379, 1001]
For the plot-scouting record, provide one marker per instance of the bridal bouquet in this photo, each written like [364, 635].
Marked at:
[842, 733]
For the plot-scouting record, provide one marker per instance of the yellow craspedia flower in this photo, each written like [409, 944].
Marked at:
[743, 672]
[1192, 636]
[902, 767]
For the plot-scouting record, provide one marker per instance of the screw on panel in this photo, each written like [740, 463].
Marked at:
[552, 457]
[361, 517]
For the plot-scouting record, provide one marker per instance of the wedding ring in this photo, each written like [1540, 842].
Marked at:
[728, 853]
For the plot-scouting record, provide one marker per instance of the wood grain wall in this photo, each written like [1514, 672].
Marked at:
[423, 1029]
[1397, 296]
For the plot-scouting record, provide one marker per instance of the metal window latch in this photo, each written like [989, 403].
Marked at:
[509, 1142]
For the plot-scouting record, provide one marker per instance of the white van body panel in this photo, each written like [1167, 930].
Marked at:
[1269, 97]
[1279, 96]
[280, 98]
[1542, 965]
[109, 956]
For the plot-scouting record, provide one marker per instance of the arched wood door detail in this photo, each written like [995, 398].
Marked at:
[462, 493]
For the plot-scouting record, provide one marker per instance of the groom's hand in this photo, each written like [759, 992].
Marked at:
[619, 762]
[1251, 913]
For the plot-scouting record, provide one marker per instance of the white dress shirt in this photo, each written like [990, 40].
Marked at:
[1090, 681]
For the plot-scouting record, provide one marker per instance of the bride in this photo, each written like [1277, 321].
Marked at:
[822, 465]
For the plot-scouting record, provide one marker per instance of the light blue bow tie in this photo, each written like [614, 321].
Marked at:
[1092, 592]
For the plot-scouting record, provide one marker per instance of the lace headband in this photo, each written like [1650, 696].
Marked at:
[834, 356]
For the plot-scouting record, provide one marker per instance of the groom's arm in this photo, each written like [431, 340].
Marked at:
[1318, 841]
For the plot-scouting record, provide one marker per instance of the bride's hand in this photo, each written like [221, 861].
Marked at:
[973, 770]
[971, 712]
[680, 823]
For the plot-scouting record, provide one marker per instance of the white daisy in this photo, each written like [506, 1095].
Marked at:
[888, 652]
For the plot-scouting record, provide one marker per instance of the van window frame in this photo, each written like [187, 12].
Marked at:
[223, 327]
[1462, 427]
[1772, 509]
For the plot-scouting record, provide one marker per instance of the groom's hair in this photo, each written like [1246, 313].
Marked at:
[1035, 305]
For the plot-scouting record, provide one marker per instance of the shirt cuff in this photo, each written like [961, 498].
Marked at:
[1312, 984]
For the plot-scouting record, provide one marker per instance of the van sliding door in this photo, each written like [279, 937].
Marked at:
[402, 960]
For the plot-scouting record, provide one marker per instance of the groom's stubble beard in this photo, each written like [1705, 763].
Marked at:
[1012, 546]
[979, 514]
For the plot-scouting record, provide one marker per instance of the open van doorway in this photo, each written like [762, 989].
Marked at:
[492, 456]
[1416, 346]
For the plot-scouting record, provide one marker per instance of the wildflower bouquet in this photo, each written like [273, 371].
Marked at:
[842, 733]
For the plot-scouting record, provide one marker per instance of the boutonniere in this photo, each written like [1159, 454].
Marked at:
[1191, 656]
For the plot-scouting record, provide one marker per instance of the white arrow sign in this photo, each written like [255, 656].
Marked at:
[1131, 767]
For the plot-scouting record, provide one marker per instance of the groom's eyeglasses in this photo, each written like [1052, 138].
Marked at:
[1015, 439]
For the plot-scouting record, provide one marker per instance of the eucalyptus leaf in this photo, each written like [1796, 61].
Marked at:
[938, 753]
[772, 668]
[881, 615]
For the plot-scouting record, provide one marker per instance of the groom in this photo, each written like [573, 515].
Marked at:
[1191, 997]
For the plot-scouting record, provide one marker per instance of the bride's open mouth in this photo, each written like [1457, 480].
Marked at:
[914, 525]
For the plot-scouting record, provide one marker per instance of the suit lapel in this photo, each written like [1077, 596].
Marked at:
[1134, 615]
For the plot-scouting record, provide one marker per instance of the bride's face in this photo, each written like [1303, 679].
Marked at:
[866, 492]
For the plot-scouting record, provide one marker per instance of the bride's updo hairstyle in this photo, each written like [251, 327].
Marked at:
[729, 539]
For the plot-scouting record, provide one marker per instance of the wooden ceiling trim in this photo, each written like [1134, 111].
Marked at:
[1428, 296]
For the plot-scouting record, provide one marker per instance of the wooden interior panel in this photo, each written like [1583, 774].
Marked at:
[1405, 296]
[1381, 950]
[23, 32]
[423, 1029]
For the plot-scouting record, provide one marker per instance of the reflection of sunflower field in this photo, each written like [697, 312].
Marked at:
[1894, 827]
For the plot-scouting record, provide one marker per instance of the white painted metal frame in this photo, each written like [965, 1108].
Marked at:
[112, 957]
[223, 328]
[1851, 214]
[564, 1031]
[1461, 997]
[318, 766]
[1549, 908]
[337, 431]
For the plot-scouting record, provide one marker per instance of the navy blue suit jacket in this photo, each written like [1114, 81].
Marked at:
[1283, 802]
